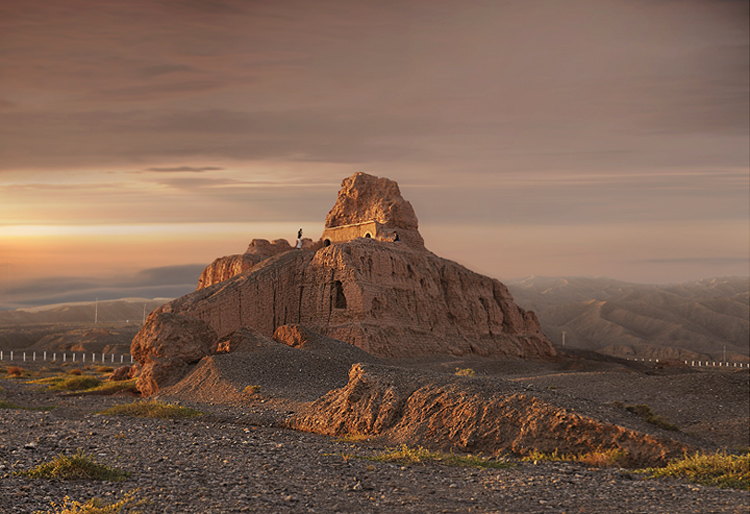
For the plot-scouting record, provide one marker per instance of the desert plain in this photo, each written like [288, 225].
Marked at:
[240, 455]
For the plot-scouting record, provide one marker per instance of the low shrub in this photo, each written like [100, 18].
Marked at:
[466, 372]
[77, 467]
[15, 371]
[105, 369]
[251, 390]
[718, 469]
[152, 409]
[75, 371]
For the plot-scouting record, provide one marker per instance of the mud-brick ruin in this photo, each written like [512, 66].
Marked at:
[371, 207]
[390, 299]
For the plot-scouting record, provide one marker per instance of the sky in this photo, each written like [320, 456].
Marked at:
[141, 139]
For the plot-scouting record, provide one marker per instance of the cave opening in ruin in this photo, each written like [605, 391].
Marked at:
[338, 295]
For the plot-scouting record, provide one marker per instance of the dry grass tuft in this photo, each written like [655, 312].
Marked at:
[353, 438]
[718, 469]
[152, 409]
[644, 412]
[76, 383]
[408, 456]
[115, 387]
[96, 506]
[77, 467]
[599, 457]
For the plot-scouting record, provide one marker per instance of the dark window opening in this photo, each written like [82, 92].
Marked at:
[368, 236]
[338, 295]
[327, 242]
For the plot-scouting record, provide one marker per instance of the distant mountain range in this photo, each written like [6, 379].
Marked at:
[107, 325]
[124, 309]
[703, 319]
[698, 320]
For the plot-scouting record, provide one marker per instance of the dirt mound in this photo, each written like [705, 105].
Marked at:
[298, 336]
[475, 415]
[245, 340]
[302, 374]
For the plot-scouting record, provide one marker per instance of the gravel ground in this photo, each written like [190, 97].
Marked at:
[233, 459]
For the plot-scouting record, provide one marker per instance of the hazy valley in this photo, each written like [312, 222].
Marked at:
[696, 320]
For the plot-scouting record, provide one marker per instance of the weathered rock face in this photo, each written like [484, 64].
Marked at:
[166, 344]
[231, 265]
[386, 298]
[468, 415]
[369, 206]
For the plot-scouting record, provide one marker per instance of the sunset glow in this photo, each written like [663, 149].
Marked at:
[584, 137]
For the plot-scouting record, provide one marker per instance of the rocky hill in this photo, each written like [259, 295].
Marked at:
[694, 320]
[470, 415]
[368, 282]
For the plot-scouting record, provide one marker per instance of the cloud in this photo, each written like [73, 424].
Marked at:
[191, 169]
[169, 90]
[97, 138]
[380, 82]
[160, 282]
[158, 70]
[166, 276]
[702, 261]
